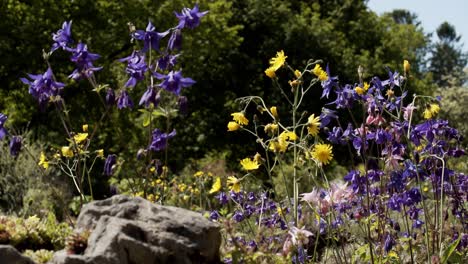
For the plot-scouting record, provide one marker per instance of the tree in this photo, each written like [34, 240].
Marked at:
[448, 60]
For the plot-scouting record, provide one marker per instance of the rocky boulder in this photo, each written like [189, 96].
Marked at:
[126, 230]
[9, 255]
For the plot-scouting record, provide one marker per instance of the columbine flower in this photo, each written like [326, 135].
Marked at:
[15, 145]
[159, 139]
[216, 186]
[240, 118]
[167, 61]
[150, 37]
[150, 97]
[124, 100]
[313, 125]
[111, 160]
[233, 126]
[190, 18]
[110, 96]
[182, 102]
[322, 153]
[43, 162]
[84, 62]
[63, 36]
[234, 184]
[300, 237]
[67, 152]
[175, 41]
[248, 164]
[3, 131]
[136, 68]
[42, 86]
[278, 61]
[174, 81]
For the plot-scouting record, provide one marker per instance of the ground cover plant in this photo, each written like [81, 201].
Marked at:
[398, 200]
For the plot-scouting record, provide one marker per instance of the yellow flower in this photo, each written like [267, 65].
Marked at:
[322, 153]
[406, 66]
[366, 86]
[67, 152]
[320, 73]
[270, 72]
[80, 137]
[85, 128]
[234, 184]
[359, 90]
[43, 161]
[248, 164]
[233, 126]
[271, 128]
[297, 73]
[216, 186]
[431, 111]
[390, 93]
[279, 145]
[278, 61]
[288, 135]
[240, 118]
[274, 112]
[198, 174]
[100, 153]
[313, 125]
[257, 158]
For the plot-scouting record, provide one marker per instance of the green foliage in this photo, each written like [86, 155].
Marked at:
[40, 256]
[27, 189]
[448, 60]
[34, 233]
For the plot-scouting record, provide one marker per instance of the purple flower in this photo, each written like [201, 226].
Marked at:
[84, 62]
[15, 145]
[389, 243]
[238, 216]
[183, 104]
[110, 97]
[328, 84]
[190, 18]
[222, 198]
[159, 139]
[3, 131]
[326, 116]
[175, 41]
[124, 100]
[109, 164]
[167, 62]
[136, 68]
[63, 36]
[150, 97]
[43, 86]
[174, 81]
[150, 37]
[214, 215]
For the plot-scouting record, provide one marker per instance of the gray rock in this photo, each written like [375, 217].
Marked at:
[9, 255]
[129, 230]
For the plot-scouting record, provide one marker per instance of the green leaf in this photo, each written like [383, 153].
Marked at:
[450, 249]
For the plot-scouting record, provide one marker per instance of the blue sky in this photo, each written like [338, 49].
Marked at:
[431, 13]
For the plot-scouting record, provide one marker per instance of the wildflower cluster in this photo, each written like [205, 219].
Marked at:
[148, 64]
[400, 191]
